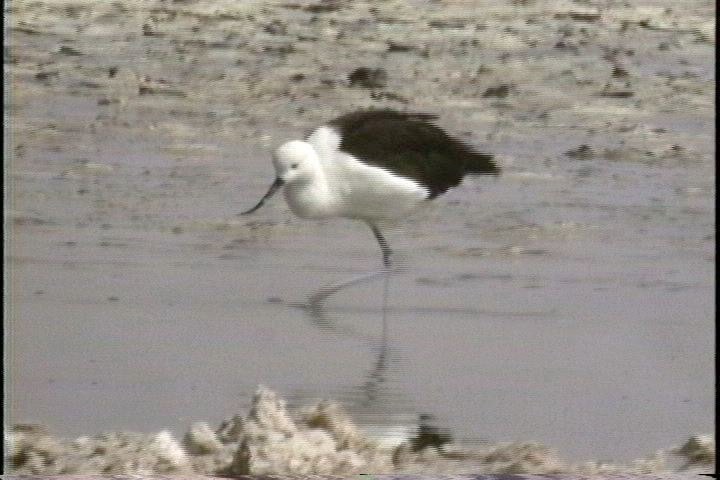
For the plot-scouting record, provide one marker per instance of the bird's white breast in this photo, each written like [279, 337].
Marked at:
[360, 190]
[371, 192]
[311, 200]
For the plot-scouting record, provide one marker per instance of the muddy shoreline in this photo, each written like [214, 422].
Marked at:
[583, 277]
[315, 440]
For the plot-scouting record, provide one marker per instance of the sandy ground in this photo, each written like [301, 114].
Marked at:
[569, 302]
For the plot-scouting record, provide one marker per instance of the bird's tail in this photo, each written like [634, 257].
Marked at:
[481, 164]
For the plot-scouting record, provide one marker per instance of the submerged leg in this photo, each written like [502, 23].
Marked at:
[383, 245]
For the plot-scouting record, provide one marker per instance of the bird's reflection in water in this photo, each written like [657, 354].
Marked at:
[315, 306]
[371, 391]
[376, 376]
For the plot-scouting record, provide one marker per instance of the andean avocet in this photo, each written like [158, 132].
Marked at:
[374, 166]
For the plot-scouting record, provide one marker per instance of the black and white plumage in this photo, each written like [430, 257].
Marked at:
[373, 165]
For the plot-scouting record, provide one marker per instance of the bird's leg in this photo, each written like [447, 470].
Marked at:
[383, 245]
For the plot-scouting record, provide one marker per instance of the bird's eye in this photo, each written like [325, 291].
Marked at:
[294, 165]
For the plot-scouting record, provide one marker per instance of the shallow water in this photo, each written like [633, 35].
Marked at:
[569, 301]
[515, 322]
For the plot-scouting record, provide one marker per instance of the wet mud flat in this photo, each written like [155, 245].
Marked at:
[577, 289]
[315, 440]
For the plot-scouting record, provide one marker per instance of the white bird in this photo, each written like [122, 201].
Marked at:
[374, 166]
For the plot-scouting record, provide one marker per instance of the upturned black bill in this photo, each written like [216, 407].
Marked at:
[271, 191]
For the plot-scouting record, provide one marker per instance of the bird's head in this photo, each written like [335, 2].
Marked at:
[295, 162]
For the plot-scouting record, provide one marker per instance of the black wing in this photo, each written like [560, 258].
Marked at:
[408, 144]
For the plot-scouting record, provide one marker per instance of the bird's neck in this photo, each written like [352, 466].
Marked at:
[312, 199]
